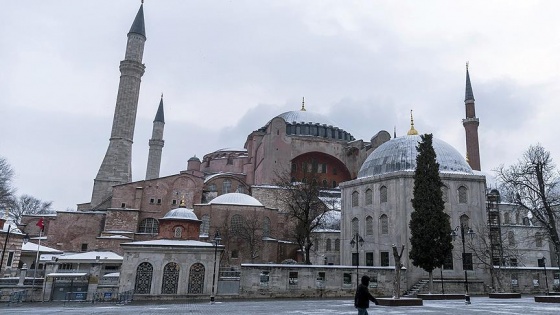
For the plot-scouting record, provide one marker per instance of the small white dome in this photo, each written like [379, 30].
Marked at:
[236, 199]
[181, 214]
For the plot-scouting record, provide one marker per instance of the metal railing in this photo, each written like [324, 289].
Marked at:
[125, 297]
[18, 296]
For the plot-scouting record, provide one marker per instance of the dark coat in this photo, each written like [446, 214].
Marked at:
[362, 298]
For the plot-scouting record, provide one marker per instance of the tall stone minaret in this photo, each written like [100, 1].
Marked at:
[156, 144]
[471, 126]
[116, 166]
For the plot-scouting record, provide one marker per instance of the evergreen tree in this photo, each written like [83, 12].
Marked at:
[429, 225]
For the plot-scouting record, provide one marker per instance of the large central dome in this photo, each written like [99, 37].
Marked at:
[306, 123]
[399, 154]
[305, 117]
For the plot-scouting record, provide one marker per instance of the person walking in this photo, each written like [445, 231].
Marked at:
[362, 298]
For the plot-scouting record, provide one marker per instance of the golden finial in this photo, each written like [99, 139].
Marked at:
[161, 95]
[412, 131]
[467, 66]
[182, 203]
[303, 104]
[142, 1]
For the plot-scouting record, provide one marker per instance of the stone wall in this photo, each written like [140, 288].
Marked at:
[286, 281]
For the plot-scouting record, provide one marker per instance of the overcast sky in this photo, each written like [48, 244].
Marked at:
[227, 67]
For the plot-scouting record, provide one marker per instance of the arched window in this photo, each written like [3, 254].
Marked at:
[355, 225]
[462, 194]
[334, 184]
[369, 197]
[329, 245]
[445, 193]
[236, 223]
[205, 226]
[383, 194]
[538, 239]
[511, 238]
[196, 279]
[507, 219]
[143, 282]
[384, 223]
[355, 197]
[226, 186]
[464, 219]
[177, 232]
[266, 227]
[170, 280]
[212, 187]
[325, 183]
[241, 189]
[369, 225]
[149, 225]
[337, 245]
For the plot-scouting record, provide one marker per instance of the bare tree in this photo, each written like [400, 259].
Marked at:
[532, 183]
[398, 266]
[249, 233]
[6, 189]
[482, 253]
[26, 204]
[304, 208]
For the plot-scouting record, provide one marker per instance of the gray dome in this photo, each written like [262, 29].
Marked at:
[181, 214]
[236, 199]
[399, 154]
[304, 117]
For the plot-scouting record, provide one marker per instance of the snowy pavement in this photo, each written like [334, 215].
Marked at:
[480, 305]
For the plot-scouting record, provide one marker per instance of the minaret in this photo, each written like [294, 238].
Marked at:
[116, 166]
[471, 127]
[156, 144]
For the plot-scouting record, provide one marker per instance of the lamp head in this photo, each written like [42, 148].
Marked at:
[26, 238]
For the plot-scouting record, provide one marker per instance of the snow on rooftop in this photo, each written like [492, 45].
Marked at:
[209, 177]
[112, 274]
[184, 243]
[236, 199]
[32, 247]
[105, 255]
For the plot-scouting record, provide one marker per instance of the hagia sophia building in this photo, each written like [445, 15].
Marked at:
[370, 179]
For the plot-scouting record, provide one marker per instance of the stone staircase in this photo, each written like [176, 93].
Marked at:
[417, 287]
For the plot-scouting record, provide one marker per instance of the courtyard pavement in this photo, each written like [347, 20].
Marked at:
[480, 305]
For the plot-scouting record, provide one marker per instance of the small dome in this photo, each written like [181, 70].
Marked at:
[399, 154]
[236, 199]
[194, 158]
[181, 214]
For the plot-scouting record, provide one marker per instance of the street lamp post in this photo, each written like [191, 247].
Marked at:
[471, 233]
[216, 242]
[358, 241]
[545, 277]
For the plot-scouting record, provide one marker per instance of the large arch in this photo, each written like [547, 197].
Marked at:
[328, 168]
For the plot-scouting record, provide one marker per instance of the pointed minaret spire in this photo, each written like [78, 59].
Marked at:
[412, 131]
[468, 88]
[156, 144]
[303, 104]
[116, 166]
[471, 126]
[138, 24]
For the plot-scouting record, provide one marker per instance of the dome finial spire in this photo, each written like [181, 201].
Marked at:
[303, 104]
[412, 131]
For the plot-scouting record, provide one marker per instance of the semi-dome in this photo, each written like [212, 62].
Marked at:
[181, 214]
[236, 199]
[399, 154]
